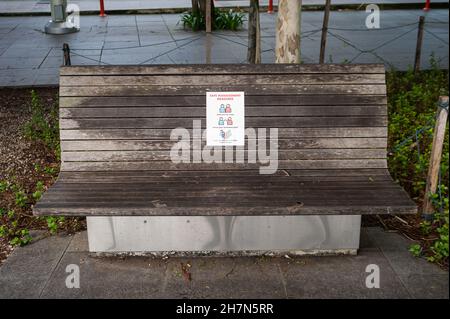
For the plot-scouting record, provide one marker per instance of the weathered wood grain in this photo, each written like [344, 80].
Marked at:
[116, 122]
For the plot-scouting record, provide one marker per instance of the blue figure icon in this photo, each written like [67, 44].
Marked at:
[221, 121]
[222, 108]
[222, 134]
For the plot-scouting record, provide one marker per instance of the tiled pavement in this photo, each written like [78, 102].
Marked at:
[29, 57]
[39, 271]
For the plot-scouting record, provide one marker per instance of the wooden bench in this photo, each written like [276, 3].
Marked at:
[115, 124]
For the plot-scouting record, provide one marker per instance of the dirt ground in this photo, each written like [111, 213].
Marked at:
[22, 160]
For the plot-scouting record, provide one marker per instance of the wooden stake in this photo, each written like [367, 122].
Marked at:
[208, 16]
[419, 44]
[66, 51]
[435, 158]
[254, 33]
[323, 40]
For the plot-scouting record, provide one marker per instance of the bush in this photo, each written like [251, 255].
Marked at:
[412, 110]
[222, 20]
[43, 127]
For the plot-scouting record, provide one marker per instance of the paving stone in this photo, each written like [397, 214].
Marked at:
[27, 269]
[340, 277]
[132, 277]
[79, 243]
[222, 277]
[427, 286]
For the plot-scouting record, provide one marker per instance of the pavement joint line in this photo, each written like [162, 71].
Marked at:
[45, 58]
[55, 267]
[396, 274]
[165, 280]
[168, 30]
[137, 30]
[170, 51]
[283, 281]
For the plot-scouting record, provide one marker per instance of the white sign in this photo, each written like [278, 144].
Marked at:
[225, 118]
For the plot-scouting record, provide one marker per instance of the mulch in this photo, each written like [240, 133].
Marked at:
[19, 158]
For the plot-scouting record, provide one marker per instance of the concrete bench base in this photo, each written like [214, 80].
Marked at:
[222, 234]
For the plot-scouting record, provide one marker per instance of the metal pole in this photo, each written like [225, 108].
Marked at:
[323, 40]
[66, 51]
[270, 8]
[102, 9]
[427, 5]
[419, 44]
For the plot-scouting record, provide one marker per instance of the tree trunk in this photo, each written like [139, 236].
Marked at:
[287, 48]
[254, 33]
[195, 6]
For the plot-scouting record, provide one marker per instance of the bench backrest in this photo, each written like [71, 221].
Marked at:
[121, 117]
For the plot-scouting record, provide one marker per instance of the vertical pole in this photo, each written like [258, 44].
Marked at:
[102, 9]
[66, 54]
[323, 40]
[435, 157]
[270, 8]
[287, 47]
[208, 48]
[427, 5]
[208, 16]
[419, 44]
[254, 33]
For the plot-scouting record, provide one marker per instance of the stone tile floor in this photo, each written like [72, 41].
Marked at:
[39, 271]
[29, 57]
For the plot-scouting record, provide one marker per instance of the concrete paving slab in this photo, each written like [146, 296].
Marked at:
[341, 277]
[29, 268]
[131, 277]
[218, 277]
[427, 286]
[161, 37]
[222, 277]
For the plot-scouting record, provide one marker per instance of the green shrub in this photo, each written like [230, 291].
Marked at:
[412, 110]
[43, 125]
[222, 20]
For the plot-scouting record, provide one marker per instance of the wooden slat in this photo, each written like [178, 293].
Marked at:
[307, 154]
[255, 210]
[152, 145]
[214, 80]
[200, 100]
[164, 165]
[222, 69]
[266, 90]
[195, 112]
[161, 134]
[255, 122]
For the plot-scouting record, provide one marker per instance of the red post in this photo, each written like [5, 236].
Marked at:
[427, 5]
[270, 9]
[102, 9]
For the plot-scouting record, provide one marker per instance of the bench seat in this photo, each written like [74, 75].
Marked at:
[132, 193]
[116, 124]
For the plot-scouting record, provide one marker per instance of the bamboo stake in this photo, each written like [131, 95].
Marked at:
[435, 158]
